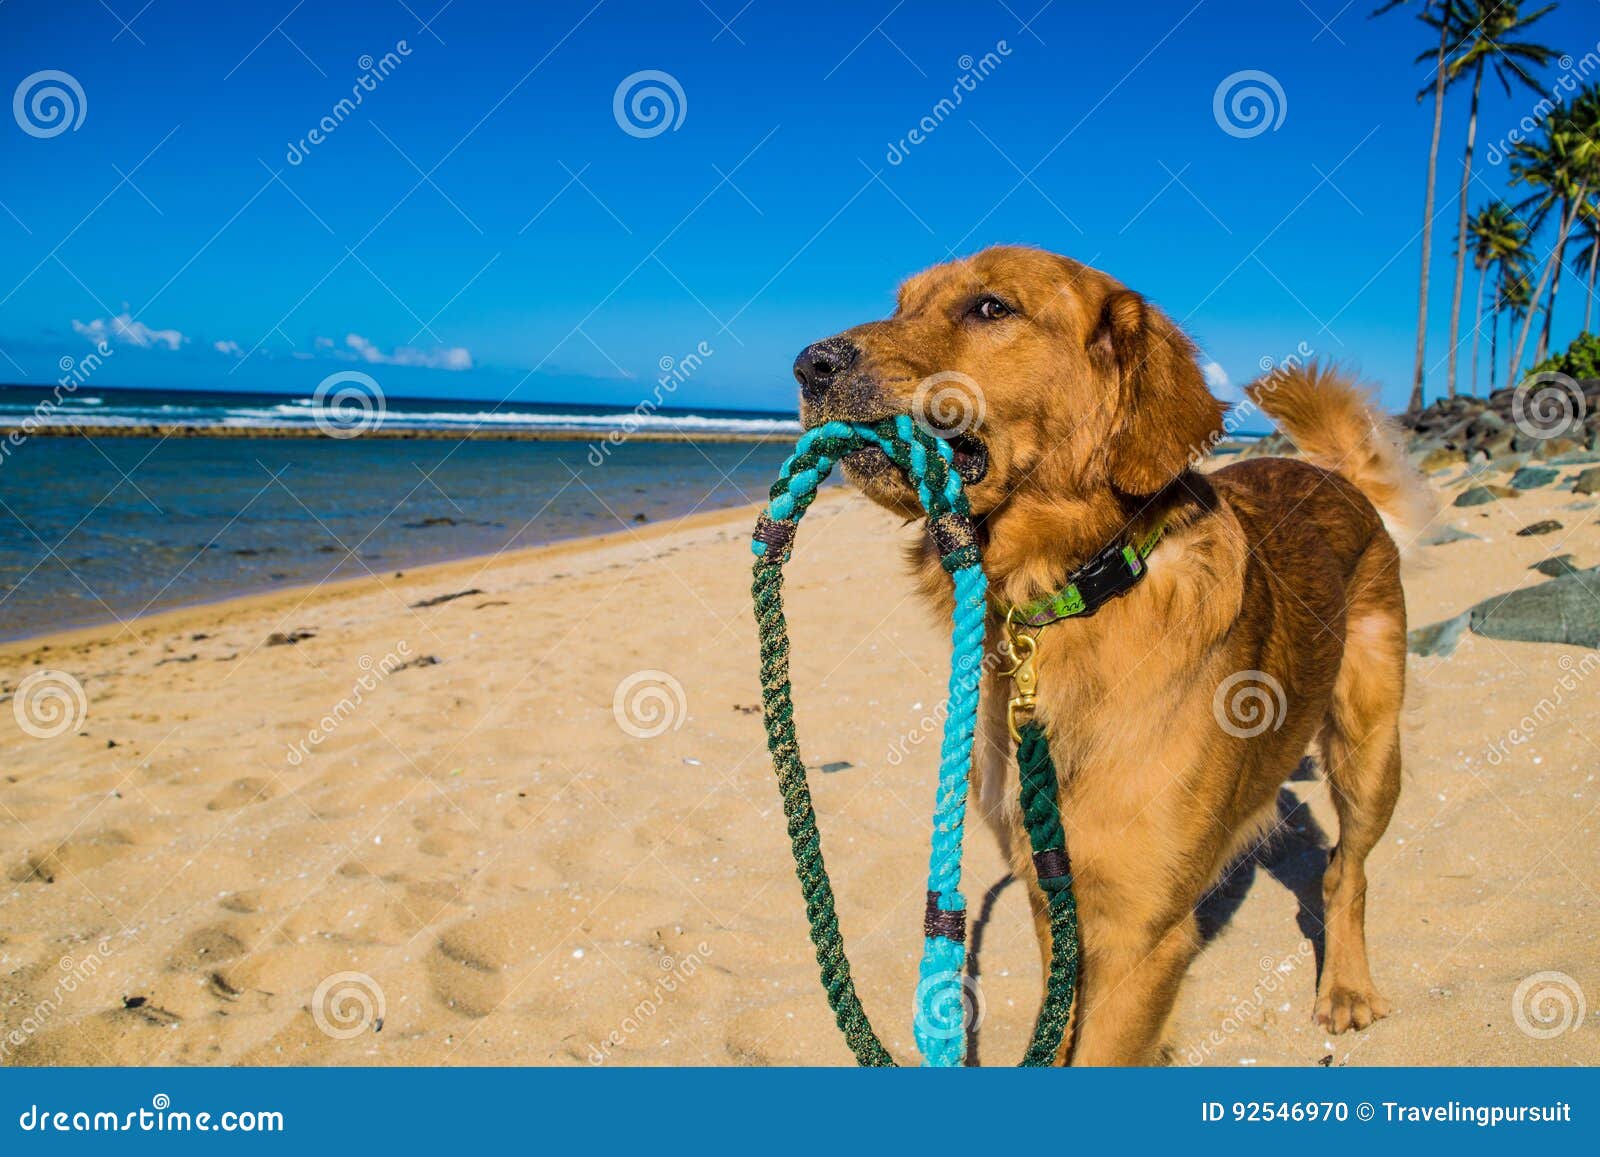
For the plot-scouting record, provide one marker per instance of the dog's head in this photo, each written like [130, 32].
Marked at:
[1052, 382]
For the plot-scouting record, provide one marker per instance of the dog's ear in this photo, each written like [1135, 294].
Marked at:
[1166, 419]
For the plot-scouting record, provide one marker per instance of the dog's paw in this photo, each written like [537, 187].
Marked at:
[1342, 1008]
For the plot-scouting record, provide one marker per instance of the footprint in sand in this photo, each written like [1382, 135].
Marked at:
[205, 948]
[72, 856]
[242, 793]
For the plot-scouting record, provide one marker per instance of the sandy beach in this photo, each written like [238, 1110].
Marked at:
[367, 823]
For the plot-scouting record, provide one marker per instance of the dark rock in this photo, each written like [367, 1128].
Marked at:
[437, 599]
[419, 661]
[1563, 610]
[1561, 564]
[1439, 638]
[280, 639]
[1481, 495]
[1439, 458]
[1446, 535]
[1544, 526]
[1588, 482]
[838, 765]
[1533, 477]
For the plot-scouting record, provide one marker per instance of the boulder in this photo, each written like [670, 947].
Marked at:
[1555, 567]
[1446, 535]
[1439, 638]
[1533, 477]
[1543, 526]
[1563, 610]
[1588, 482]
[1480, 495]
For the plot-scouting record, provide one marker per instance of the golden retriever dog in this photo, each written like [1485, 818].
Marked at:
[1270, 620]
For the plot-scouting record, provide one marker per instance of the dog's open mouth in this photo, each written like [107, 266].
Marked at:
[971, 458]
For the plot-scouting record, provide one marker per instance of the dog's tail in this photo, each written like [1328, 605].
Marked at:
[1340, 426]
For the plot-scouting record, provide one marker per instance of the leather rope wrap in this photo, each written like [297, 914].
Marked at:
[940, 1012]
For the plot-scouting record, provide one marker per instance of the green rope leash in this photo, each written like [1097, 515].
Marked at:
[926, 463]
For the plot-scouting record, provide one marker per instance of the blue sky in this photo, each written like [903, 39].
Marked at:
[483, 223]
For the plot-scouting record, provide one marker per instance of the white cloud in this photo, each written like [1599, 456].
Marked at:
[440, 358]
[125, 330]
[230, 348]
[1216, 376]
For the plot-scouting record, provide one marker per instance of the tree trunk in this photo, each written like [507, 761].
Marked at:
[1594, 255]
[1538, 292]
[1477, 328]
[1461, 236]
[1427, 217]
[1494, 343]
[1555, 281]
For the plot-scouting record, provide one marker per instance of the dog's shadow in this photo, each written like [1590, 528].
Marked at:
[1294, 854]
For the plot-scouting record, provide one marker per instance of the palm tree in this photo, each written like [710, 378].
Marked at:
[1590, 240]
[1561, 167]
[1428, 7]
[1499, 240]
[1514, 295]
[1482, 34]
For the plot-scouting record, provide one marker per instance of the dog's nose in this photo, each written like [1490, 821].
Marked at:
[820, 364]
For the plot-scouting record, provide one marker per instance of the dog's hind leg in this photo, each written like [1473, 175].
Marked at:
[1361, 758]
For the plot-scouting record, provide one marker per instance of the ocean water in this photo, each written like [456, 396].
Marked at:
[99, 529]
[89, 406]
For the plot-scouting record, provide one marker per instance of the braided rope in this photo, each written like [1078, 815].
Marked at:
[940, 1015]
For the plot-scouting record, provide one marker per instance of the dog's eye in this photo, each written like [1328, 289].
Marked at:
[991, 309]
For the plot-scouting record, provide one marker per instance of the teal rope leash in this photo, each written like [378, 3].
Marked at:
[939, 1013]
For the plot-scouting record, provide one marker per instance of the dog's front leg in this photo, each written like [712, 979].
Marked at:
[1130, 980]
